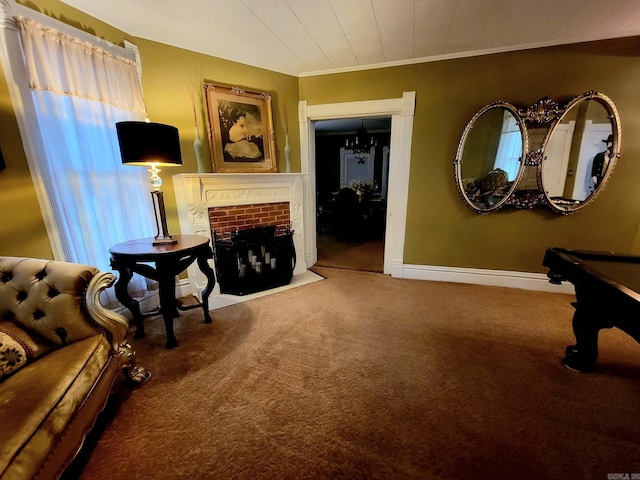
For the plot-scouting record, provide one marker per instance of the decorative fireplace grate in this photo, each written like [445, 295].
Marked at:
[254, 260]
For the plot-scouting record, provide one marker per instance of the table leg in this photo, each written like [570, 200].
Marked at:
[122, 294]
[211, 281]
[590, 317]
[167, 293]
[583, 355]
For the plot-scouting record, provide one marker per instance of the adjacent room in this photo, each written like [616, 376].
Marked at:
[362, 239]
[351, 184]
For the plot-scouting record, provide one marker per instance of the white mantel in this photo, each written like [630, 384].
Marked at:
[197, 192]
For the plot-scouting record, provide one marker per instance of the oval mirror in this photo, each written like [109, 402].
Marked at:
[489, 161]
[580, 152]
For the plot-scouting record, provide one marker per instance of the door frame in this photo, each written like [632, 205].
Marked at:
[401, 110]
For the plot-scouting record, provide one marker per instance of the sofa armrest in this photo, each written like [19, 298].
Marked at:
[115, 324]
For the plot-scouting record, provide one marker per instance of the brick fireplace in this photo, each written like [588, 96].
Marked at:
[225, 220]
[230, 201]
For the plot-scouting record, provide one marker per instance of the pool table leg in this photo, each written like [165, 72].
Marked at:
[583, 355]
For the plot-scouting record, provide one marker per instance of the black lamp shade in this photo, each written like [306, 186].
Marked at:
[144, 143]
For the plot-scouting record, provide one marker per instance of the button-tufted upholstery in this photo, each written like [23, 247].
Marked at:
[49, 403]
[46, 297]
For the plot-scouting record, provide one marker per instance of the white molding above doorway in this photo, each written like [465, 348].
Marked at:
[401, 110]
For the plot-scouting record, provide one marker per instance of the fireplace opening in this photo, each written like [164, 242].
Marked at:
[255, 259]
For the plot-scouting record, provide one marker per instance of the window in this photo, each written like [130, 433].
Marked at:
[68, 93]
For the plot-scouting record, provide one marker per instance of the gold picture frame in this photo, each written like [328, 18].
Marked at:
[240, 126]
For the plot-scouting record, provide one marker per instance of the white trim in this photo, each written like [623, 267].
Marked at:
[133, 53]
[401, 111]
[151, 301]
[308, 168]
[476, 276]
[183, 288]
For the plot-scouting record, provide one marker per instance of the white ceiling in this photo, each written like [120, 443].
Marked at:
[303, 37]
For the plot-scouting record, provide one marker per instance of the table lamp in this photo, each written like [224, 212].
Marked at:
[152, 145]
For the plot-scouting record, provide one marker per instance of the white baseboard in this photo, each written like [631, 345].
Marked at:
[183, 288]
[495, 278]
[396, 269]
[147, 303]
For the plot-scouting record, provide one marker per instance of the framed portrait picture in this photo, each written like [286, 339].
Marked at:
[241, 133]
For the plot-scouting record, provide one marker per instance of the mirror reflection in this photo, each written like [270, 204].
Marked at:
[578, 154]
[489, 160]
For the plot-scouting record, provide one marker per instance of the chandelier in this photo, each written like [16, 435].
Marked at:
[361, 143]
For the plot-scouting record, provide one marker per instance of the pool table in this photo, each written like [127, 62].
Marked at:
[607, 289]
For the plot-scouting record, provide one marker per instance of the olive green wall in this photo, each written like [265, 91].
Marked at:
[171, 78]
[22, 230]
[441, 230]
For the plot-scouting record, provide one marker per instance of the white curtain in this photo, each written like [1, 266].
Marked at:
[510, 146]
[79, 92]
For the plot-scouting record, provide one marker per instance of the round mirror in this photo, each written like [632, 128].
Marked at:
[580, 152]
[489, 161]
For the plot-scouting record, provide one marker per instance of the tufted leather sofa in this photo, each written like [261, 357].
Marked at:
[60, 353]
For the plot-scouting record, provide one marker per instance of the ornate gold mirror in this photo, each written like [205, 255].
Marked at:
[489, 161]
[580, 152]
[560, 156]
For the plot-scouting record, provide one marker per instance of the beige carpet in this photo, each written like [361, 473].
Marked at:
[361, 376]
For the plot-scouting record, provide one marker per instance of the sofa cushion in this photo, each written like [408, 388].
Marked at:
[18, 347]
[46, 296]
[50, 403]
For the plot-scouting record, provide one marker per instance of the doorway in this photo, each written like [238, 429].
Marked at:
[351, 193]
[402, 112]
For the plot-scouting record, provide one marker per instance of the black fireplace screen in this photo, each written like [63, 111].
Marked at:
[253, 260]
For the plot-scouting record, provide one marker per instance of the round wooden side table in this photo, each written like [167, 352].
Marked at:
[170, 260]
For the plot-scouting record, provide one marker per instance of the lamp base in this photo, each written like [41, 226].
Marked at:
[162, 233]
[164, 241]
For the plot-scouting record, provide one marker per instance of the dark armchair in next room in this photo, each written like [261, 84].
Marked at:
[348, 216]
